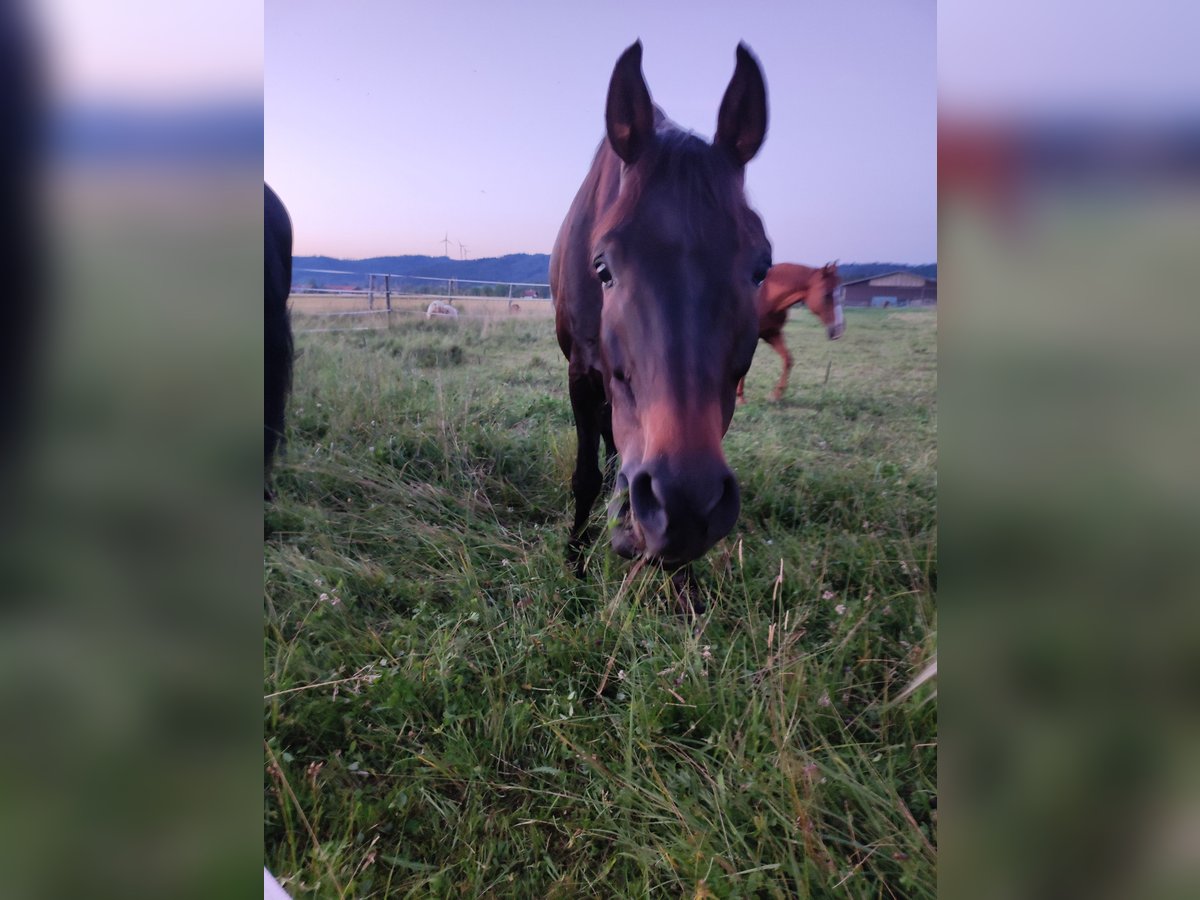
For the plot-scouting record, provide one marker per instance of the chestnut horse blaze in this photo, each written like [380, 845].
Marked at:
[654, 274]
[786, 285]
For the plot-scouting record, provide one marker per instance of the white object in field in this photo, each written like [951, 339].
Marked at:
[439, 308]
[271, 888]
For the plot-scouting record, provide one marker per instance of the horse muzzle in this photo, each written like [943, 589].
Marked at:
[838, 327]
[624, 533]
[673, 511]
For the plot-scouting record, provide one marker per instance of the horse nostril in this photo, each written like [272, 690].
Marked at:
[646, 504]
[718, 497]
[724, 512]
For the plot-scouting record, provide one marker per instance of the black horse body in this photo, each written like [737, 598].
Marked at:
[277, 266]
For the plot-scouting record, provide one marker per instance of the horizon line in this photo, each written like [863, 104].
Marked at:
[932, 262]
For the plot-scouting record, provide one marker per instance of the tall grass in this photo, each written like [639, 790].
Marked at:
[449, 712]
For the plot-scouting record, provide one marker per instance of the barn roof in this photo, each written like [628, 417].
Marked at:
[886, 274]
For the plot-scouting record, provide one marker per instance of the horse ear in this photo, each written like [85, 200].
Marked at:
[629, 114]
[742, 119]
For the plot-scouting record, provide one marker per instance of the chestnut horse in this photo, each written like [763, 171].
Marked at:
[653, 274]
[786, 285]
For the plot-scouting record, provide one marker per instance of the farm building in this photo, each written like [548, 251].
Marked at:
[897, 288]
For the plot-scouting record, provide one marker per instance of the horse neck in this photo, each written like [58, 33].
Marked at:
[797, 290]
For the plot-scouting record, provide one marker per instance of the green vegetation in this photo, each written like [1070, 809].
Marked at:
[450, 713]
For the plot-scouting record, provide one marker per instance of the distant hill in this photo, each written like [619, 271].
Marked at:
[207, 132]
[529, 268]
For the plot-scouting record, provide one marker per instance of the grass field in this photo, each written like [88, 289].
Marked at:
[313, 311]
[450, 713]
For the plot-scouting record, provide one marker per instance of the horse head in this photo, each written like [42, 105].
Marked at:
[678, 255]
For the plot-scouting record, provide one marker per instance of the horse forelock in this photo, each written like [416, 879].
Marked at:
[690, 181]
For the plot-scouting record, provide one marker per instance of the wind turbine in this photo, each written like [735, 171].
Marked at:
[462, 250]
[445, 242]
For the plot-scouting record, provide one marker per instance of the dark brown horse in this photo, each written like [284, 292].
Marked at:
[786, 285]
[653, 274]
[277, 329]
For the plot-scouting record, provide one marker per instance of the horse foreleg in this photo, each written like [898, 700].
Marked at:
[777, 344]
[586, 480]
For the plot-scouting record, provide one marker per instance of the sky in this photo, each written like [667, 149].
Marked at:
[149, 52]
[1123, 61]
[390, 125]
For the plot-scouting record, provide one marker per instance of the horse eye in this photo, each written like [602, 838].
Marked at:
[760, 275]
[602, 272]
[619, 375]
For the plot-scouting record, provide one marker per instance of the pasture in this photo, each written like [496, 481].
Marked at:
[326, 311]
[449, 712]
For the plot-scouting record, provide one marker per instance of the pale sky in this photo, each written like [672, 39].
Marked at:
[390, 124]
[1069, 58]
[149, 52]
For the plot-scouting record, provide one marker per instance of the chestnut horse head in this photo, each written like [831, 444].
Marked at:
[655, 272]
[820, 298]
